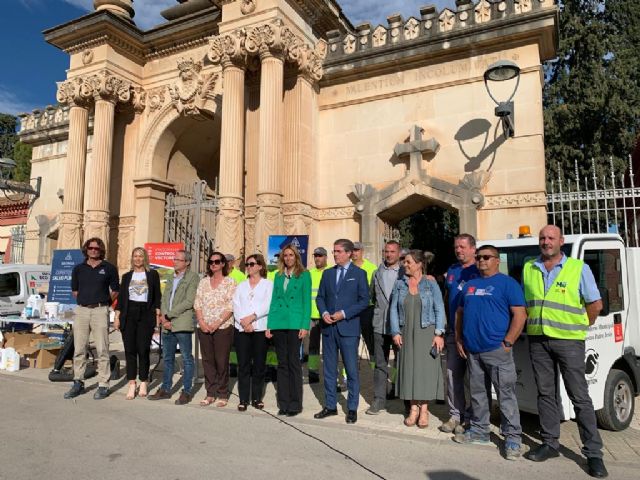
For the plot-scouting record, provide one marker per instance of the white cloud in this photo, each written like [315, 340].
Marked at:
[10, 103]
[377, 11]
[147, 11]
[358, 11]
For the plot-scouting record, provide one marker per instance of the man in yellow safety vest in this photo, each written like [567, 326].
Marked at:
[320, 260]
[562, 302]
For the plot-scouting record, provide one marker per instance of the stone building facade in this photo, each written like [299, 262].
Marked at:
[304, 123]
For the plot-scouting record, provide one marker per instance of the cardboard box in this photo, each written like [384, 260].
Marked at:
[45, 343]
[40, 357]
[19, 340]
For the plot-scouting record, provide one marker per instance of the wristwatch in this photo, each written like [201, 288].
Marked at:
[507, 343]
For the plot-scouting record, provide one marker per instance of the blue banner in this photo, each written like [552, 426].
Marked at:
[60, 282]
[278, 242]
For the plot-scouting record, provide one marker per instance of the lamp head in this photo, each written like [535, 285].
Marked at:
[502, 70]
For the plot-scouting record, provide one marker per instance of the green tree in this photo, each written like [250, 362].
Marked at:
[8, 135]
[22, 156]
[590, 96]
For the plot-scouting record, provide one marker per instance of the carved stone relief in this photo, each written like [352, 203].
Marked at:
[247, 6]
[193, 88]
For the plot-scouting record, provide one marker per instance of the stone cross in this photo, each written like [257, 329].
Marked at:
[416, 148]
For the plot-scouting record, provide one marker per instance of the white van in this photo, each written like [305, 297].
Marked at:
[612, 361]
[17, 282]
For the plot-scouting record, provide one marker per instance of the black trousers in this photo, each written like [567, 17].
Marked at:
[251, 349]
[289, 386]
[366, 328]
[136, 336]
[548, 355]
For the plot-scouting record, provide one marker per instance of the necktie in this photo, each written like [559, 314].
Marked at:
[340, 276]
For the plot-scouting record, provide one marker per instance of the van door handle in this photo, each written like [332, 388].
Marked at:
[19, 303]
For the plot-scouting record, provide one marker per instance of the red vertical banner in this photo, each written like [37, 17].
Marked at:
[161, 258]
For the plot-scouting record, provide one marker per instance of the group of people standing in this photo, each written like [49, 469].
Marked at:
[397, 306]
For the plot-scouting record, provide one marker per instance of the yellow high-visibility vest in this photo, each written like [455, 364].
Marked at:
[561, 312]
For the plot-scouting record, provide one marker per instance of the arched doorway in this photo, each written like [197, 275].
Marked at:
[179, 161]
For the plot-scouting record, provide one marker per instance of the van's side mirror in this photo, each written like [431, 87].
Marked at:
[604, 293]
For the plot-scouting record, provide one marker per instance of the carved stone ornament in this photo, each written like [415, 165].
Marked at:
[516, 200]
[411, 29]
[247, 6]
[474, 182]
[156, 98]
[139, 99]
[225, 49]
[265, 39]
[310, 61]
[87, 57]
[379, 36]
[447, 20]
[483, 11]
[349, 44]
[107, 86]
[192, 89]
[74, 92]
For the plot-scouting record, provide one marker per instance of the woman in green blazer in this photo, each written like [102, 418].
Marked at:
[288, 323]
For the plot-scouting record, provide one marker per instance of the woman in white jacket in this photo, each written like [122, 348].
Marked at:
[250, 309]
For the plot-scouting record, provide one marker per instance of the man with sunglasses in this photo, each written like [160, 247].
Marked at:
[458, 274]
[490, 317]
[95, 285]
[178, 327]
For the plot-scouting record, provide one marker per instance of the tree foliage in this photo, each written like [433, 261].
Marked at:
[591, 96]
[11, 147]
[8, 136]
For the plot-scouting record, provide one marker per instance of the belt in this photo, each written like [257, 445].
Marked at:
[96, 305]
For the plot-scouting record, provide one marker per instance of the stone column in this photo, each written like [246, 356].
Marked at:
[298, 154]
[108, 90]
[229, 227]
[269, 219]
[72, 208]
[97, 217]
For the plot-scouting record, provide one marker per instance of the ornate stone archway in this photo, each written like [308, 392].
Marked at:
[466, 197]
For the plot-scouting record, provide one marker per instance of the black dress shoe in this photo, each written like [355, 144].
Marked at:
[542, 453]
[293, 413]
[282, 412]
[352, 416]
[597, 468]
[326, 412]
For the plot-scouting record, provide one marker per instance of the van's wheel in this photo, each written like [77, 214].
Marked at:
[617, 412]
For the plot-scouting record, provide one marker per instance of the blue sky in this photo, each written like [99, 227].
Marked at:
[31, 66]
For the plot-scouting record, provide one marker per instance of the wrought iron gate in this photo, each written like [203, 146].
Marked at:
[190, 217]
[17, 244]
[610, 204]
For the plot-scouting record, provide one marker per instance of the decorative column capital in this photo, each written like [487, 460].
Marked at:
[310, 61]
[75, 92]
[228, 50]
[83, 90]
[110, 87]
[266, 40]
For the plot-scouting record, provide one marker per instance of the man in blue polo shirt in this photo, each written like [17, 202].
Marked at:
[490, 317]
[458, 275]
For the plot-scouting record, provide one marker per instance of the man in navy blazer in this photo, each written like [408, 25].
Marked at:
[342, 296]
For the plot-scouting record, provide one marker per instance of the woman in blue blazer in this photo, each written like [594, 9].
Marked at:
[288, 323]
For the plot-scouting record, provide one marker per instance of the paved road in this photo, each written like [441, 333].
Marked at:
[45, 436]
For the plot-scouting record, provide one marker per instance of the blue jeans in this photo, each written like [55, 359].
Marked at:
[170, 341]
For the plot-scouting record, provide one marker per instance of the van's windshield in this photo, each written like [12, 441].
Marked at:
[9, 284]
[512, 259]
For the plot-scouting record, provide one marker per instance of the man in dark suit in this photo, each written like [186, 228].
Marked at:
[342, 296]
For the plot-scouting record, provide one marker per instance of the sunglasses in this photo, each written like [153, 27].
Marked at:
[97, 249]
[251, 264]
[485, 257]
[214, 262]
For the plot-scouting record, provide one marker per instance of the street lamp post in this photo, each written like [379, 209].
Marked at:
[501, 71]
